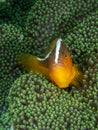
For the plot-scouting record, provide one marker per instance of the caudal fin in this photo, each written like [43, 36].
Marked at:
[31, 63]
[26, 60]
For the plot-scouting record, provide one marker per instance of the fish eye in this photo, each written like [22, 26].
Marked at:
[63, 53]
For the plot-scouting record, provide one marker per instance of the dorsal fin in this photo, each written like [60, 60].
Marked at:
[48, 51]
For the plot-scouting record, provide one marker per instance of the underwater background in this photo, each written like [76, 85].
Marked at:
[28, 101]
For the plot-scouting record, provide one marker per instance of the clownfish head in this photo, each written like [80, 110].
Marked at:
[61, 69]
[60, 55]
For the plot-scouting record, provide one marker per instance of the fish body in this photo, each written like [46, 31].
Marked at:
[56, 65]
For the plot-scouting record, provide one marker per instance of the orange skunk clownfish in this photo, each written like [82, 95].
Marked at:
[56, 65]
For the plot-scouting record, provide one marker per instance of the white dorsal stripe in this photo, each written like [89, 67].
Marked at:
[42, 59]
[58, 45]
